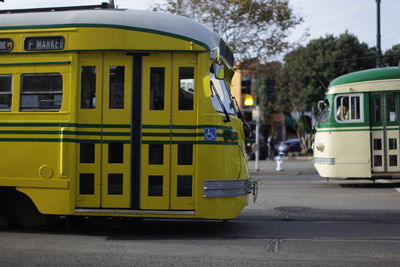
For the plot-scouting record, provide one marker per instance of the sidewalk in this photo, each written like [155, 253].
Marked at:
[301, 165]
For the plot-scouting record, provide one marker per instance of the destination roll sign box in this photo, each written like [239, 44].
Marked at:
[44, 43]
[6, 45]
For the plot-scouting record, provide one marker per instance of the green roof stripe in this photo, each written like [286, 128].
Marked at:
[72, 140]
[34, 63]
[68, 133]
[190, 142]
[108, 133]
[109, 126]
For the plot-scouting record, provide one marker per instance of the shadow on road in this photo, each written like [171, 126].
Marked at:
[371, 185]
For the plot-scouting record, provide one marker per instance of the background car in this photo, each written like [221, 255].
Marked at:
[289, 146]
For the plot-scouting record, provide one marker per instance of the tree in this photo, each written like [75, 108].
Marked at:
[252, 28]
[308, 71]
[391, 57]
[266, 79]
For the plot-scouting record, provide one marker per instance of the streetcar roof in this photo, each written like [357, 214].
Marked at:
[137, 20]
[367, 75]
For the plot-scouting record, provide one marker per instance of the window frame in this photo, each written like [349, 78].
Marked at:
[186, 98]
[8, 93]
[88, 87]
[53, 93]
[325, 113]
[361, 108]
[116, 99]
[157, 94]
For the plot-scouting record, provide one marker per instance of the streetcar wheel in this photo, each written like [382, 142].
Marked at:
[27, 215]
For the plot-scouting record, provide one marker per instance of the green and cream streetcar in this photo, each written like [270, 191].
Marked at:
[357, 134]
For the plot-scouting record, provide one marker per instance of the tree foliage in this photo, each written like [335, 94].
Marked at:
[264, 86]
[252, 28]
[308, 70]
[392, 56]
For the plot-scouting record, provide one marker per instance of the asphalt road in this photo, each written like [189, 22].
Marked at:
[299, 219]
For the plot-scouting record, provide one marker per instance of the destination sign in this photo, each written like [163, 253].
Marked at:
[6, 44]
[44, 43]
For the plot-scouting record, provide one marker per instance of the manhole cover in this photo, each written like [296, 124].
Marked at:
[292, 209]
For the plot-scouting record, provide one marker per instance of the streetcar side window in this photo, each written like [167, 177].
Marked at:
[5, 92]
[41, 92]
[157, 80]
[349, 108]
[117, 84]
[88, 87]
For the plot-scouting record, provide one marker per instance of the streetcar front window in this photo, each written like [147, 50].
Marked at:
[324, 112]
[219, 89]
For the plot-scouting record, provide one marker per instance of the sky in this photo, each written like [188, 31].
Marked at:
[321, 17]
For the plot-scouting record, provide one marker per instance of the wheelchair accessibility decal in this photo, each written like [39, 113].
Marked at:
[210, 134]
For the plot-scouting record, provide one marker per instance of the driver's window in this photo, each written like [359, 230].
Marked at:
[349, 108]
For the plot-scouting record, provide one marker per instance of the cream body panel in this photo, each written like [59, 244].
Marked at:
[350, 150]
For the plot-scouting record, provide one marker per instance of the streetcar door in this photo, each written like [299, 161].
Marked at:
[168, 131]
[183, 155]
[385, 132]
[103, 130]
[156, 119]
[116, 162]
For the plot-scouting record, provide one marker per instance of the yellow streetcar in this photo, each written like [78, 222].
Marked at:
[114, 112]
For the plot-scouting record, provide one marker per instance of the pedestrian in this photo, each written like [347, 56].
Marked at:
[271, 147]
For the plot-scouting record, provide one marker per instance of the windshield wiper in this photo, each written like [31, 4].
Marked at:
[246, 126]
[239, 112]
[227, 117]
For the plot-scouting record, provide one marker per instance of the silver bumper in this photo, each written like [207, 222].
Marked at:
[229, 188]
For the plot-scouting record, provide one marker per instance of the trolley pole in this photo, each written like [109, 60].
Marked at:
[257, 152]
[379, 63]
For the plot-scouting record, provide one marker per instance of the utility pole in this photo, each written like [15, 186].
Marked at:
[379, 63]
[257, 152]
